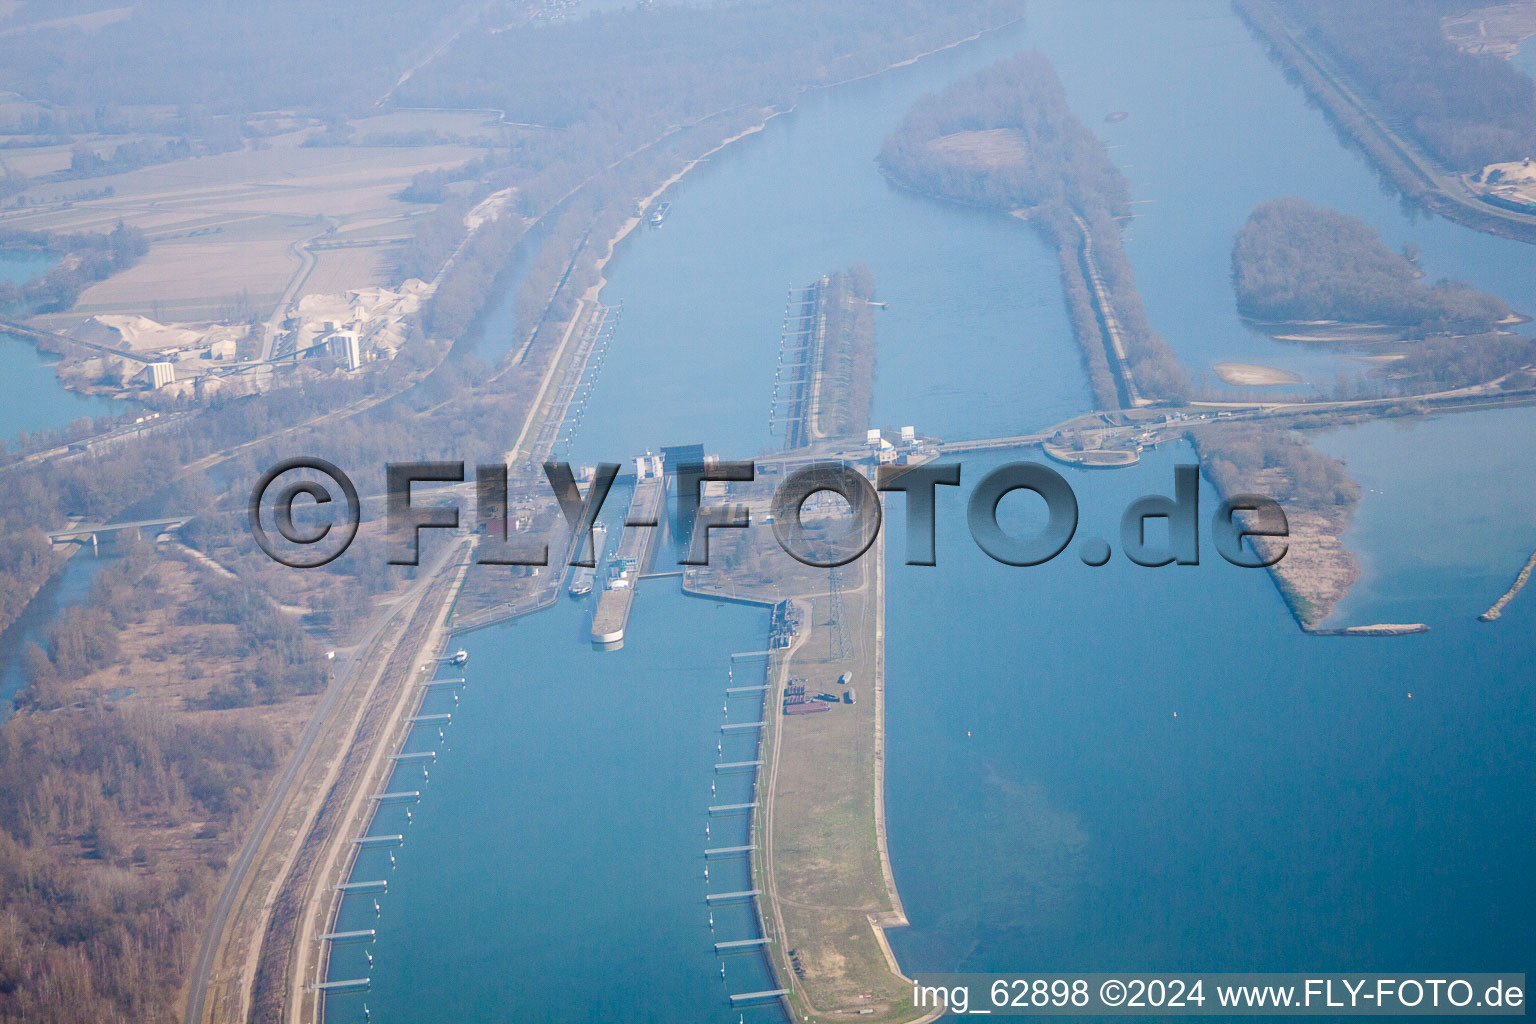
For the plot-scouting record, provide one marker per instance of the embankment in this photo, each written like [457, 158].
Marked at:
[1413, 173]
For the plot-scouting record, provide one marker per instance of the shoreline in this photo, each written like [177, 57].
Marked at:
[339, 853]
[295, 991]
[592, 292]
[247, 972]
[1400, 160]
[1521, 579]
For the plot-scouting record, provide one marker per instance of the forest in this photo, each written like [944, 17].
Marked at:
[228, 58]
[85, 258]
[1297, 261]
[676, 83]
[1235, 457]
[115, 816]
[1468, 111]
[1056, 168]
[635, 93]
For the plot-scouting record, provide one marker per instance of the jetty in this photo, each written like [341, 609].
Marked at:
[361, 935]
[1524, 577]
[740, 945]
[754, 997]
[732, 808]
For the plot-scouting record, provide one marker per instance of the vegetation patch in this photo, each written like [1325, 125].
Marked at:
[1005, 138]
[1295, 261]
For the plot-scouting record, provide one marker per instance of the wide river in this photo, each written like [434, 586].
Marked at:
[34, 398]
[1087, 769]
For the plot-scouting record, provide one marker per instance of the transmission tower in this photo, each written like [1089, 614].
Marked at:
[841, 650]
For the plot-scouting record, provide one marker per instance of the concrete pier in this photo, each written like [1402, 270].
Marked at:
[404, 796]
[361, 935]
[727, 851]
[637, 546]
[737, 726]
[444, 718]
[432, 684]
[732, 808]
[349, 985]
[740, 945]
[425, 755]
[379, 885]
[736, 766]
[723, 897]
[371, 841]
[753, 997]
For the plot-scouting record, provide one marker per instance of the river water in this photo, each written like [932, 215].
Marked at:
[67, 586]
[1088, 769]
[35, 400]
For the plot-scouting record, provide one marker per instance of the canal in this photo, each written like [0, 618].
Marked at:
[1088, 769]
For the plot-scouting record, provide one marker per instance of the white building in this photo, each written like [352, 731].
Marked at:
[345, 345]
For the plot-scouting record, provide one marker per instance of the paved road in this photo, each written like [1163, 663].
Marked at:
[347, 664]
[270, 329]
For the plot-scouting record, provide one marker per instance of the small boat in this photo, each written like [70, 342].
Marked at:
[660, 214]
[581, 582]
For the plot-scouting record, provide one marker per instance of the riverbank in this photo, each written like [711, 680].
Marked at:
[335, 861]
[243, 968]
[822, 860]
[1414, 173]
[1310, 565]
